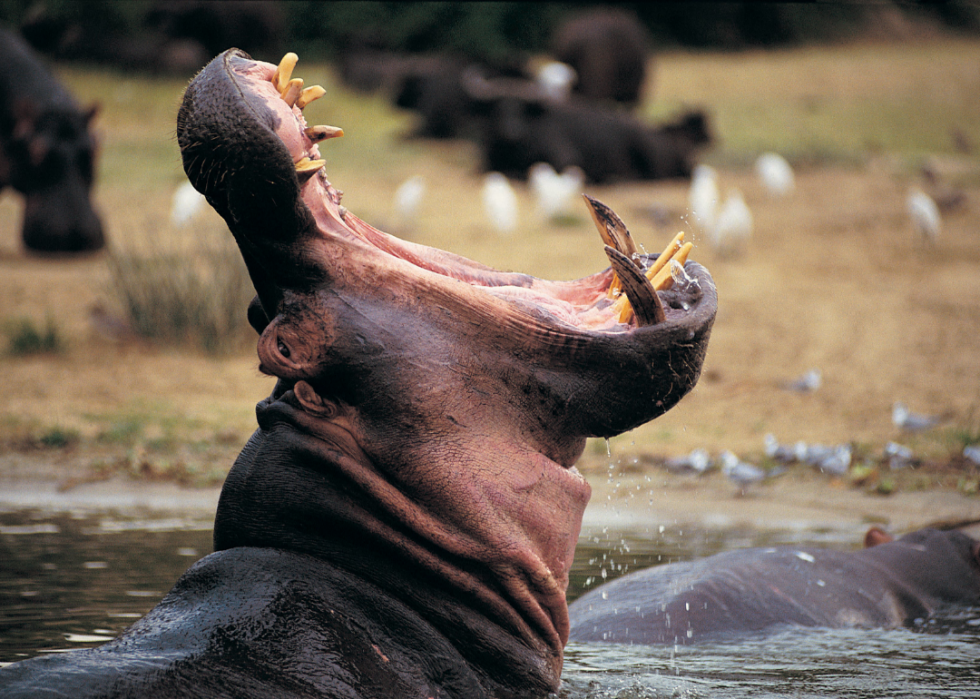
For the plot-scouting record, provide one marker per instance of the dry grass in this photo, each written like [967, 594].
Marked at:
[834, 277]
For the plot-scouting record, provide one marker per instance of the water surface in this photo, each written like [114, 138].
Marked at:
[73, 580]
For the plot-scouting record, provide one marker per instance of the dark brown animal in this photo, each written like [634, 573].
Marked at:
[47, 153]
[519, 127]
[609, 50]
[403, 521]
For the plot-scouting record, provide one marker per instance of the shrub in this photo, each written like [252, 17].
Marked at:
[25, 338]
[197, 295]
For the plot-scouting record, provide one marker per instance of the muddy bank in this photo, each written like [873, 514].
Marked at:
[799, 500]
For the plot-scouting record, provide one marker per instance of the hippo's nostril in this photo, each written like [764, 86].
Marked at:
[283, 349]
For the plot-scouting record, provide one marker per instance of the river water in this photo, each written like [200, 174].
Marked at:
[70, 580]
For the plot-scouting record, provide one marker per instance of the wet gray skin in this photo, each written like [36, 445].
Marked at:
[735, 594]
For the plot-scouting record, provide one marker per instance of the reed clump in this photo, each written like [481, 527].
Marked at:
[187, 292]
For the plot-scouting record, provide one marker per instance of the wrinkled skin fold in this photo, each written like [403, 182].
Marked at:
[419, 444]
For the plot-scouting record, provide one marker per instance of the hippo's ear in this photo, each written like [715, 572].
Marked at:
[876, 536]
[313, 402]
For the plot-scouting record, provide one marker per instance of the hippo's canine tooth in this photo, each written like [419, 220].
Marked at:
[612, 229]
[310, 166]
[322, 133]
[310, 94]
[614, 233]
[284, 71]
[639, 292]
[292, 92]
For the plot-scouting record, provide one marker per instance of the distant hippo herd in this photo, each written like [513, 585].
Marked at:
[519, 119]
[403, 520]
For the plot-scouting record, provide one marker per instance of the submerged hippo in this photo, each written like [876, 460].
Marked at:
[889, 583]
[403, 520]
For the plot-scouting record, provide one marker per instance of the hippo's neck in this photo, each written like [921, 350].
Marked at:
[483, 558]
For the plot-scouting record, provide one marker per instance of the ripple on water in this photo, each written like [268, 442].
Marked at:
[799, 663]
[50, 598]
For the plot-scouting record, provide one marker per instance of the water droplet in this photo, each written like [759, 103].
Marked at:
[603, 573]
[608, 449]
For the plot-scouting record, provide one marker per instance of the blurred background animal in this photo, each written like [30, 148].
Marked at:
[47, 153]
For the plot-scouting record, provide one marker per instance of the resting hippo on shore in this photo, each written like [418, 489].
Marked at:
[46, 153]
[889, 583]
[403, 521]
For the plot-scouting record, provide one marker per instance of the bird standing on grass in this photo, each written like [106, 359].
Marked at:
[702, 197]
[776, 174]
[408, 200]
[187, 203]
[732, 229]
[554, 193]
[500, 203]
[924, 214]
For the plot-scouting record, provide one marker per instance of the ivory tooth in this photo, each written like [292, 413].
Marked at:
[310, 94]
[307, 165]
[284, 71]
[612, 229]
[641, 299]
[614, 234]
[663, 258]
[662, 279]
[322, 133]
[292, 92]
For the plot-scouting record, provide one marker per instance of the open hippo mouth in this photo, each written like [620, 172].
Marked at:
[599, 369]
[429, 409]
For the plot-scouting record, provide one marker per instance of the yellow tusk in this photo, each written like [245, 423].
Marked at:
[292, 91]
[662, 279]
[284, 71]
[310, 94]
[665, 256]
[660, 276]
[322, 133]
[307, 165]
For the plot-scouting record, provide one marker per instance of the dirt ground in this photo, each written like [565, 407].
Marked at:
[834, 279]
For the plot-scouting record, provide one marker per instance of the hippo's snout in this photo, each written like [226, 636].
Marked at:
[61, 220]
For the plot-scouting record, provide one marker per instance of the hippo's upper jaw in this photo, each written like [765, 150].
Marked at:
[441, 404]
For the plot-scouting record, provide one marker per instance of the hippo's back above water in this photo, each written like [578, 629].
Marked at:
[254, 622]
[737, 592]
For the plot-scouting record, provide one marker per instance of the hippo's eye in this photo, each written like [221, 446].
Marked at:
[283, 350]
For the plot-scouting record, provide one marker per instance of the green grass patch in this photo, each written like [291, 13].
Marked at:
[59, 438]
[25, 337]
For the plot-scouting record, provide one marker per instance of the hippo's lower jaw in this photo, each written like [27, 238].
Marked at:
[429, 409]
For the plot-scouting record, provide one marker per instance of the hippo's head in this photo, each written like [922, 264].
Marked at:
[429, 409]
[50, 157]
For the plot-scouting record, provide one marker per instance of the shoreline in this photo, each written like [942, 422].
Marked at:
[798, 501]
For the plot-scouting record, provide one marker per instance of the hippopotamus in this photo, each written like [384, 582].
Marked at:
[403, 520]
[47, 153]
[889, 583]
